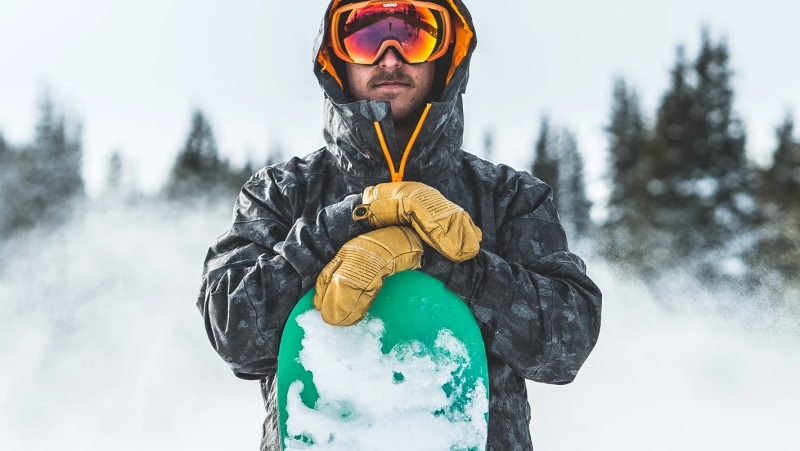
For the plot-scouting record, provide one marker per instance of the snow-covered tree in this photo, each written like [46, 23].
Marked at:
[698, 204]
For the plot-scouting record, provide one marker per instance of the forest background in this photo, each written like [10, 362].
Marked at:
[694, 239]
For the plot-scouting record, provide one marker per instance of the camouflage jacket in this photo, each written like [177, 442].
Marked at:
[538, 311]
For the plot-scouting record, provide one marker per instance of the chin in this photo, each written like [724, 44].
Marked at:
[400, 111]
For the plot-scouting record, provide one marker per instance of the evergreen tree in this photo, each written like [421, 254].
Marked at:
[575, 206]
[545, 164]
[624, 224]
[3, 146]
[198, 169]
[40, 183]
[114, 174]
[779, 246]
[59, 155]
[732, 211]
[559, 164]
[699, 200]
[488, 145]
[5, 182]
[43, 180]
[783, 177]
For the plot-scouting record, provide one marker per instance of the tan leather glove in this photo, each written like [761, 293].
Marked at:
[444, 225]
[348, 284]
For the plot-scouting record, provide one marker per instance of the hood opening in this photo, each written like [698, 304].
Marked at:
[460, 49]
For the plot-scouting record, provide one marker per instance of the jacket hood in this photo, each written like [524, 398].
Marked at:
[360, 135]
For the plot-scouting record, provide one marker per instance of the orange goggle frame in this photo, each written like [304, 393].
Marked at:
[362, 32]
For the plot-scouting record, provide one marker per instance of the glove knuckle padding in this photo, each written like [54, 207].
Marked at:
[366, 261]
[441, 223]
[324, 281]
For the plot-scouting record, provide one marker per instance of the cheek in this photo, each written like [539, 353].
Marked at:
[425, 77]
[358, 78]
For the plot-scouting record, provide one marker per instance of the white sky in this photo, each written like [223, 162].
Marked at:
[133, 70]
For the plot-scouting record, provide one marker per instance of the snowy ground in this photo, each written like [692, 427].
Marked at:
[103, 348]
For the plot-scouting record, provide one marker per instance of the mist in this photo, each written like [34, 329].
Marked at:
[103, 348]
[103, 345]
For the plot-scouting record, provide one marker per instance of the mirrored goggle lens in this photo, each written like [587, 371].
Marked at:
[418, 31]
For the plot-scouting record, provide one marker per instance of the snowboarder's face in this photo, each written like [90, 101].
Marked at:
[406, 86]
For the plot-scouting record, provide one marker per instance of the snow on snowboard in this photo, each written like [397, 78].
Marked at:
[411, 375]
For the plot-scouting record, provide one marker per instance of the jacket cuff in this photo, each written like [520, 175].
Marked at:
[341, 225]
[311, 245]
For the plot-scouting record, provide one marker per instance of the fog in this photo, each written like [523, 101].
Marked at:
[103, 348]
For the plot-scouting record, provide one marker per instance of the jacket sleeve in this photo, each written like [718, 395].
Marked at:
[256, 272]
[537, 309]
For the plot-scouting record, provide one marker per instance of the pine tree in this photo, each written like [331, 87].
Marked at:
[559, 164]
[198, 169]
[3, 146]
[734, 205]
[59, 155]
[545, 164]
[625, 224]
[779, 246]
[663, 158]
[700, 186]
[783, 177]
[114, 174]
[575, 206]
[488, 145]
[42, 182]
[6, 168]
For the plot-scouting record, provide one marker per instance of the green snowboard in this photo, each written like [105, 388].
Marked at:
[411, 375]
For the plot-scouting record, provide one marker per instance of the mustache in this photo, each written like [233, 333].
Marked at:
[386, 77]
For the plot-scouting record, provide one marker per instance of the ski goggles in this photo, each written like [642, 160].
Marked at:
[362, 32]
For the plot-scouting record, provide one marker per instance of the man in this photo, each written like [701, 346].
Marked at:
[392, 191]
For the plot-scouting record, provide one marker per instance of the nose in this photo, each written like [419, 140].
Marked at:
[390, 60]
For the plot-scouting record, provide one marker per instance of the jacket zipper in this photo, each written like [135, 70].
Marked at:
[397, 176]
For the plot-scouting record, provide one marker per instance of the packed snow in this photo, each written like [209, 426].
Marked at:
[353, 376]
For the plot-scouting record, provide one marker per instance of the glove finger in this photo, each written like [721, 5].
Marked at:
[370, 195]
[466, 234]
[324, 281]
[341, 298]
[459, 242]
[386, 212]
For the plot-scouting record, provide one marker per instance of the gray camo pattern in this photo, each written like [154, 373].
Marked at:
[538, 311]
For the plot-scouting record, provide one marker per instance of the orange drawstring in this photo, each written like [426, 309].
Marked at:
[397, 176]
